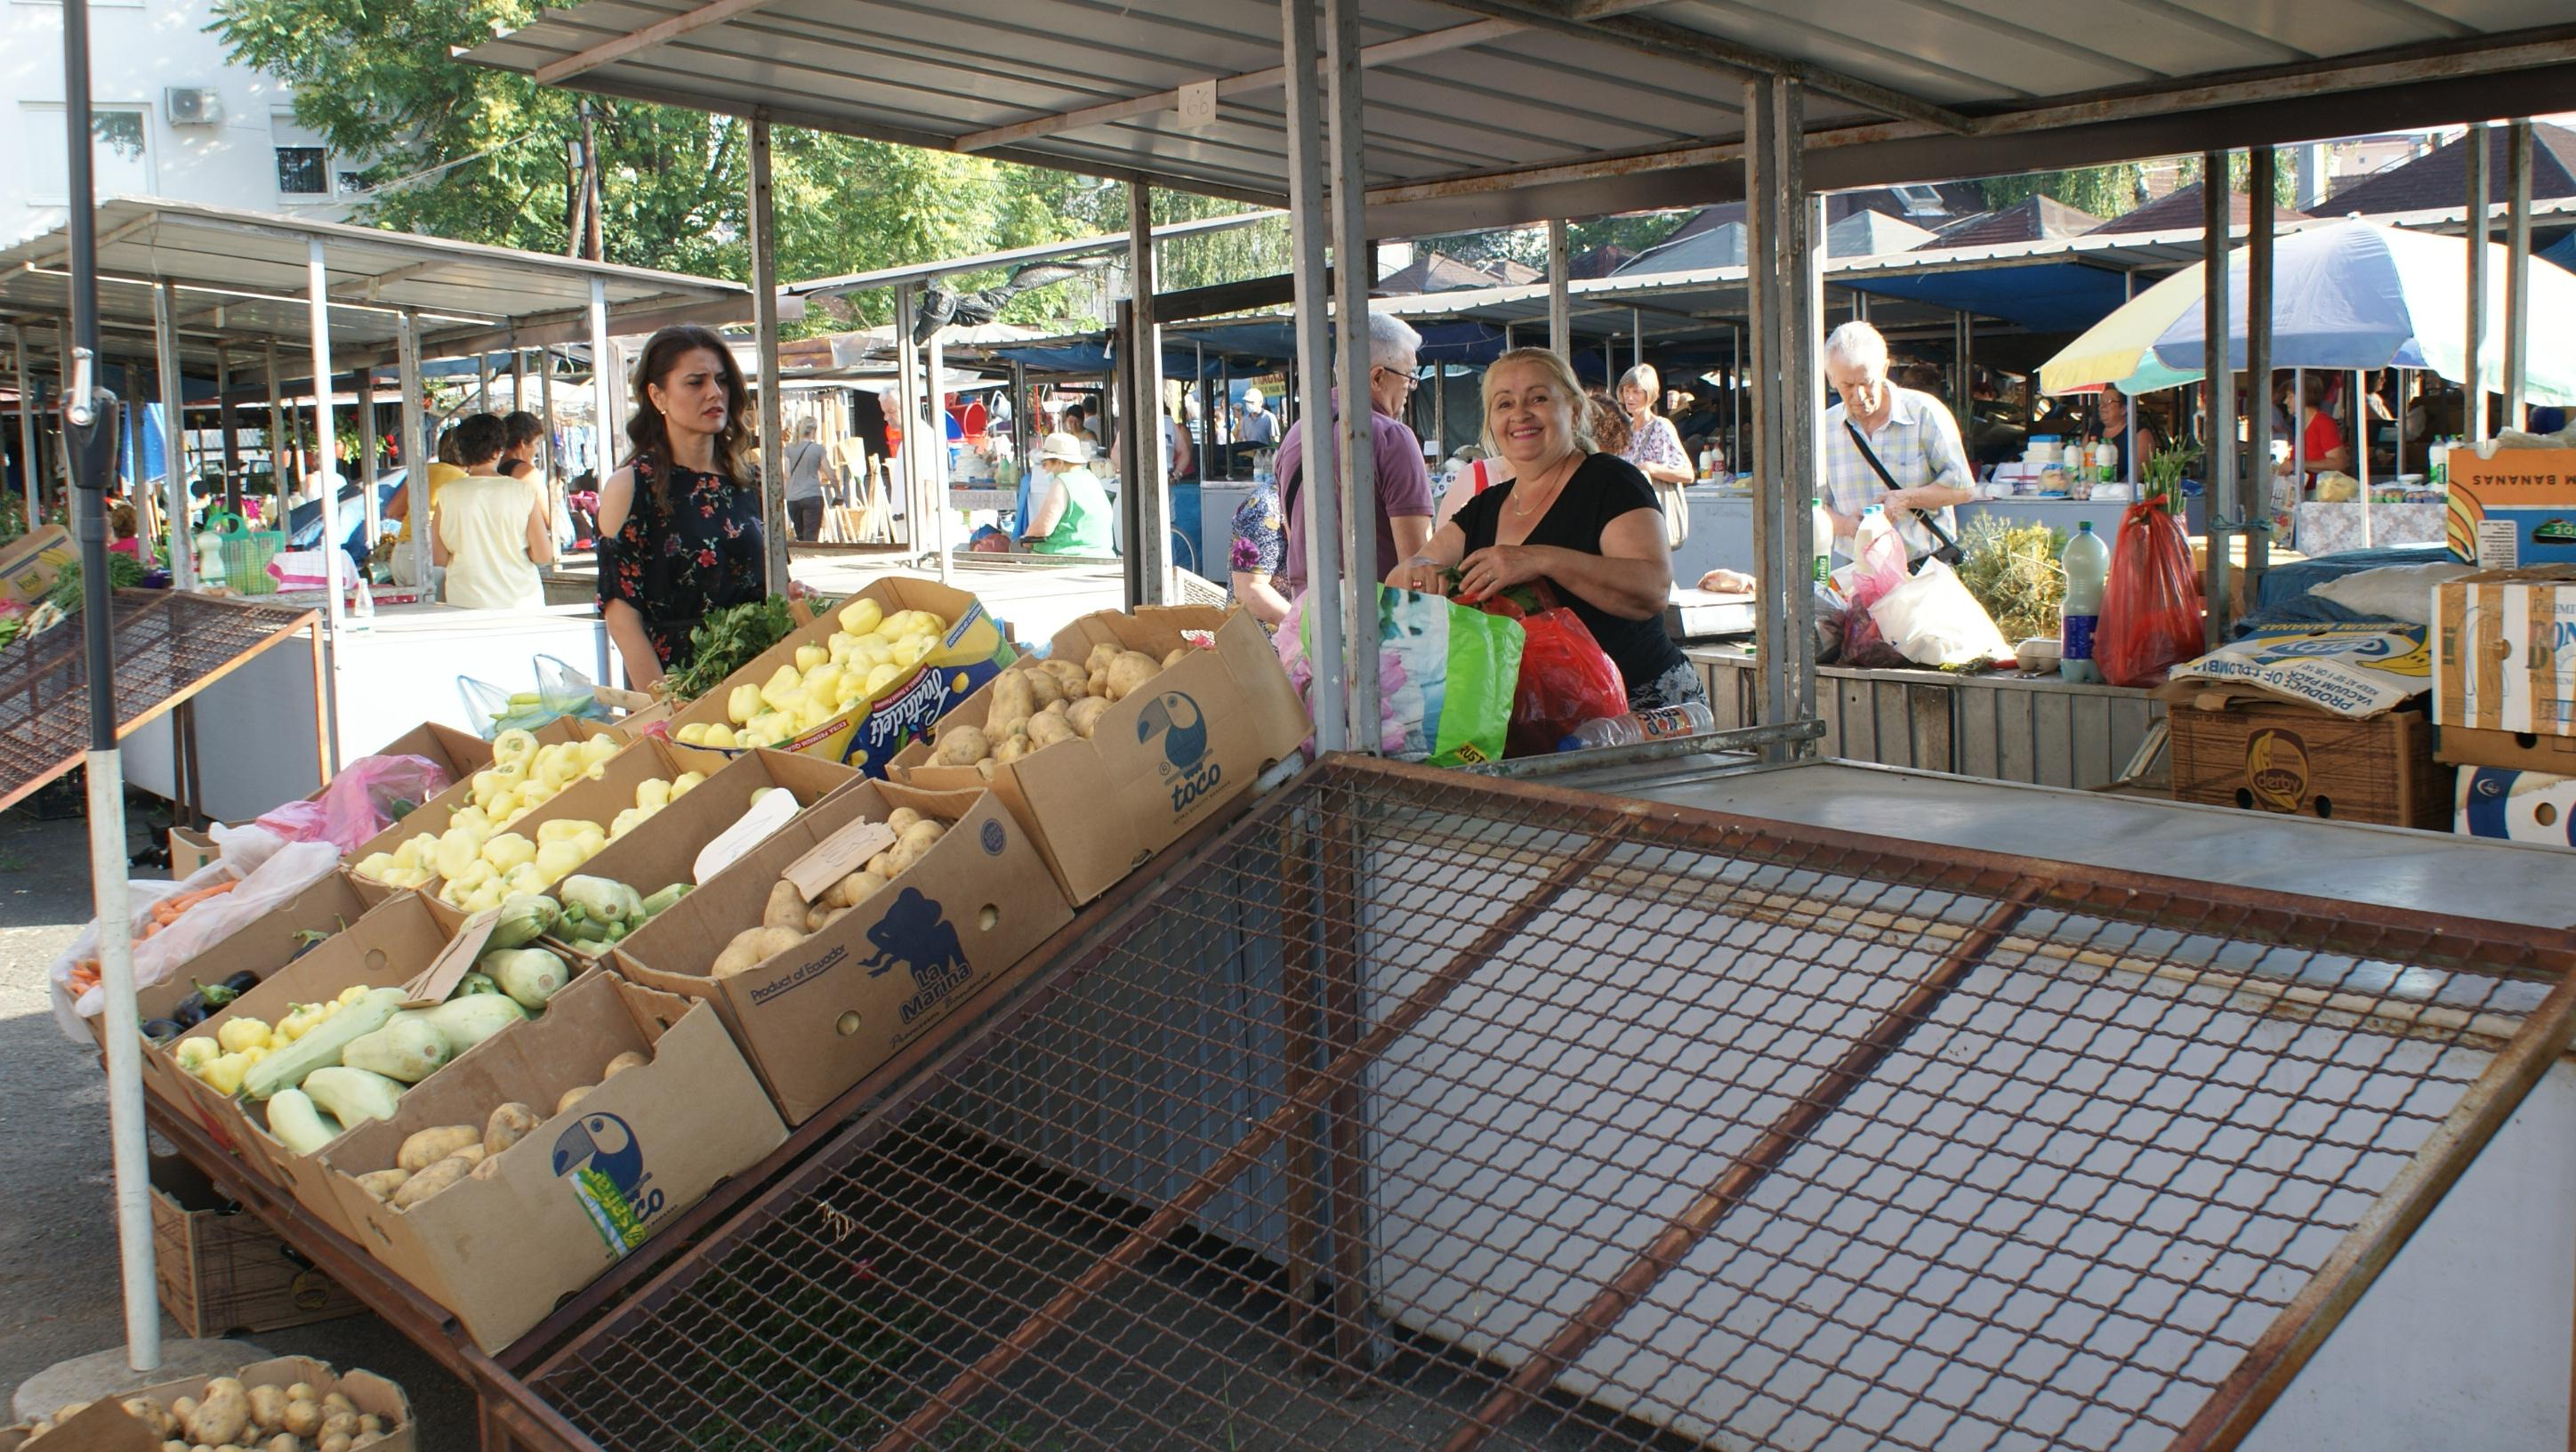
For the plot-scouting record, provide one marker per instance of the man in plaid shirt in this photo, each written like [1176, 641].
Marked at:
[1911, 432]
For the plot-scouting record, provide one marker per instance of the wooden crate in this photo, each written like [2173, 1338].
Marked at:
[221, 1270]
[2310, 763]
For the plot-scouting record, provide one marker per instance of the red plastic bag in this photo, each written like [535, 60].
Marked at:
[1566, 679]
[2151, 608]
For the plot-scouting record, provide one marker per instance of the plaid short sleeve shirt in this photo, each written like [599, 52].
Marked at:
[1919, 444]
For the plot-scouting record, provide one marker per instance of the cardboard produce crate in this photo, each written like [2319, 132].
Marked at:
[2514, 509]
[868, 734]
[594, 799]
[1159, 762]
[2504, 651]
[2309, 763]
[2514, 750]
[394, 943]
[222, 1271]
[665, 849]
[2517, 806]
[327, 905]
[589, 1184]
[818, 1018]
[33, 563]
[190, 850]
[432, 815]
[105, 1427]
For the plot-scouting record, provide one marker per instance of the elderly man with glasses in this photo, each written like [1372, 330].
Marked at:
[1403, 482]
[1889, 445]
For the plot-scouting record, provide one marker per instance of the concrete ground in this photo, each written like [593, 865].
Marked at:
[59, 1295]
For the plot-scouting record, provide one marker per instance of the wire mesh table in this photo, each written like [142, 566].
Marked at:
[169, 644]
[1430, 1110]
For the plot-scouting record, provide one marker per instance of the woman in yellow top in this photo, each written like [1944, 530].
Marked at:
[489, 530]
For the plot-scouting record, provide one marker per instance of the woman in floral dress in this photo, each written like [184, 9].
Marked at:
[679, 526]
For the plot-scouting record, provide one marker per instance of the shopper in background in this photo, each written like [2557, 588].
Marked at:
[1911, 434]
[805, 461]
[2111, 410]
[1260, 427]
[1069, 513]
[1403, 512]
[1584, 521]
[127, 527]
[680, 524]
[489, 530]
[1654, 446]
[2321, 437]
[1257, 552]
[521, 433]
[442, 471]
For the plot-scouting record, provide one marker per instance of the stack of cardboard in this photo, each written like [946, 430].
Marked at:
[2312, 721]
[2504, 700]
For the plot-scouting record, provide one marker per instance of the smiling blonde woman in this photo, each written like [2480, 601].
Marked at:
[1585, 522]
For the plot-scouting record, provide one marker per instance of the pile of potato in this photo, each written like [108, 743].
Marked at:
[786, 919]
[1036, 704]
[430, 1160]
[231, 1417]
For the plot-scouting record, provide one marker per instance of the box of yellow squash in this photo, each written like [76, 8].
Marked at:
[858, 682]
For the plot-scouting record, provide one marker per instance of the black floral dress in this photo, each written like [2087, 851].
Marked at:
[674, 565]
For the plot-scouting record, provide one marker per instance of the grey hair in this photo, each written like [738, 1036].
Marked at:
[1645, 377]
[1391, 340]
[1858, 344]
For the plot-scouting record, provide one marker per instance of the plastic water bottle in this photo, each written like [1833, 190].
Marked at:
[1690, 718]
[1823, 527]
[2088, 564]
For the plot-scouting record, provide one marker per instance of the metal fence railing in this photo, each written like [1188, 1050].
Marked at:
[1450, 1112]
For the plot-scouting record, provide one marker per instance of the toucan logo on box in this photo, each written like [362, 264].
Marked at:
[1173, 719]
[604, 1162]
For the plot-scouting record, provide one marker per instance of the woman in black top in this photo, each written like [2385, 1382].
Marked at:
[1585, 522]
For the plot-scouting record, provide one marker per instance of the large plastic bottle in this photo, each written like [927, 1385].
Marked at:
[1873, 523]
[1823, 525]
[1690, 718]
[2087, 562]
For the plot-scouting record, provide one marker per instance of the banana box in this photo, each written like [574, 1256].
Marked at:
[2513, 508]
[2517, 806]
[857, 683]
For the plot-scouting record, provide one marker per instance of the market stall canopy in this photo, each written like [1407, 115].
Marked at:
[2346, 295]
[242, 279]
[1483, 112]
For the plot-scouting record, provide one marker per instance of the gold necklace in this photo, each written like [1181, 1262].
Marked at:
[1522, 509]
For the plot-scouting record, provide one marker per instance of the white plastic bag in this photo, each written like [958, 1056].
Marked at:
[1932, 620]
[269, 871]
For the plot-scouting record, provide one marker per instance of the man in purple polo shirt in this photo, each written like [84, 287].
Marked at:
[1403, 484]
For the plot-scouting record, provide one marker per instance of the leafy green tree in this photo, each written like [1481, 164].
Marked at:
[2104, 191]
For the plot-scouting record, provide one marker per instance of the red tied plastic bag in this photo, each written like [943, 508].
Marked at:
[2151, 608]
[1875, 575]
[1566, 678]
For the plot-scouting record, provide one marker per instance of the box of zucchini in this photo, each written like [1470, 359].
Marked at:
[339, 1036]
[852, 931]
[524, 1170]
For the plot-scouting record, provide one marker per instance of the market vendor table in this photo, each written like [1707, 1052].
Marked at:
[2064, 514]
[2001, 726]
[1721, 533]
[2330, 529]
[387, 680]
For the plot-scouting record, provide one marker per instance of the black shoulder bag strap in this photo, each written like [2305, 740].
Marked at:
[1947, 551]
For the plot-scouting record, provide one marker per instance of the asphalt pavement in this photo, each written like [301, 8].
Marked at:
[59, 1295]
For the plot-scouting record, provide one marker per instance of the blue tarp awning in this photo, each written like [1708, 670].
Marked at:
[2050, 297]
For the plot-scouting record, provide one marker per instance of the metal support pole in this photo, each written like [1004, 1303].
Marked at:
[1560, 308]
[30, 474]
[415, 440]
[518, 376]
[1963, 342]
[1206, 434]
[907, 404]
[1439, 411]
[774, 525]
[90, 423]
[546, 414]
[936, 444]
[1637, 343]
[277, 442]
[2260, 192]
[227, 426]
[2473, 375]
[317, 275]
[2517, 270]
[1329, 696]
[1148, 489]
[2360, 445]
[482, 382]
[2226, 505]
[1020, 421]
[1361, 568]
[1784, 286]
[369, 505]
[603, 381]
[174, 437]
[1735, 400]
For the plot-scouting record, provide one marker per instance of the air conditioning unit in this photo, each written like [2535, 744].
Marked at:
[192, 105]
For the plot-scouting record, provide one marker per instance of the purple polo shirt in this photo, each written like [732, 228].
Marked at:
[1403, 488]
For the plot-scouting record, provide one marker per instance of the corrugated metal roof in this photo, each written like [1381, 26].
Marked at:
[1564, 105]
[242, 276]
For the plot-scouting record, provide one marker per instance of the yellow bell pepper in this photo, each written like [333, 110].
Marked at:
[224, 1073]
[374, 865]
[556, 860]
[861, 616]
[882, 676]
[599, 748]
[823, 682]
[809, 656]
[562, 829]
[742, 703]
[526, 877]
[685, 782]
[774, 690]
[238, 1034]
[653, 792]
[593, 837]
[508, 850]
[693, 734]
[722, 736]
[513, 744]
[456, 848]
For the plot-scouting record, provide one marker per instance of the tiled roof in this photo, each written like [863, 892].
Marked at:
[2440, 178]
[2180, 208]
[2032, 219]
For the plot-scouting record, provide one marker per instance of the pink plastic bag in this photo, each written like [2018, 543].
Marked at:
[371, 795]
[1875, 575]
